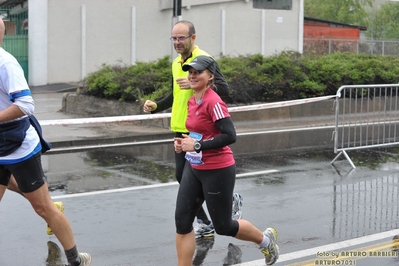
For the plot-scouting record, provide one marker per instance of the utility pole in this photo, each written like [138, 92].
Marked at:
[176, 8]
[176, 17]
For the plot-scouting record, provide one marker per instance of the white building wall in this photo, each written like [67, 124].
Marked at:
[106, 38]
[37, 42]
[64, 41]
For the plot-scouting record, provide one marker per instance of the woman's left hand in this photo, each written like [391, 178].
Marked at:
[187, 143]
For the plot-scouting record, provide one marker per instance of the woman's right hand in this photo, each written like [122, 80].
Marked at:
[177, 144]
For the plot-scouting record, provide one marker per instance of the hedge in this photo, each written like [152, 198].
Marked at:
[252, 78]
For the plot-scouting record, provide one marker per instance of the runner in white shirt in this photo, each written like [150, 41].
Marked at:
[20, 153]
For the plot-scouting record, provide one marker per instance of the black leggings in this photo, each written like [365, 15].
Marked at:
[215, 187]
[180, 161]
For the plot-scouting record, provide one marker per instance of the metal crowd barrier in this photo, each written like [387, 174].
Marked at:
[366, 116]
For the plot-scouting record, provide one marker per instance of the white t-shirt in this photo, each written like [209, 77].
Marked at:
[13, 85]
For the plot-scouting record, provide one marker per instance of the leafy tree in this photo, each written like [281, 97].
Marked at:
[344, 11]
[384, 23]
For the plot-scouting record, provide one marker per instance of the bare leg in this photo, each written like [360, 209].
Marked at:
[185, 246]
[43, 205]
[248, 232]
[2, 190]
[13, 186]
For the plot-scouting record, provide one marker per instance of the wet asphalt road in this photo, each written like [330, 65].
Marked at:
[309, 202]
[121, 202]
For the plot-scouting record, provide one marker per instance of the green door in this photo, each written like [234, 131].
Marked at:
[16, 38]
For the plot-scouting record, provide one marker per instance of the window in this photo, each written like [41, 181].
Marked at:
[273, 4]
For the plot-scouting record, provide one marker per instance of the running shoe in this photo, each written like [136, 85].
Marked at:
[61, 207]
[203, 230]
[271, 252]
[237, 207]
[85, 259]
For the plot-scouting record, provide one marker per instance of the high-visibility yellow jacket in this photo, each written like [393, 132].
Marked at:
[181, 96]
[178, 99]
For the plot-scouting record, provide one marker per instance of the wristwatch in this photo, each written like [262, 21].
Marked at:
[197, 146]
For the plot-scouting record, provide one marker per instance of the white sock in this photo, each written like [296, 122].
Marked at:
[265, 242]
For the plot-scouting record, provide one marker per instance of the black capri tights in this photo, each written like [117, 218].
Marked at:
[215, 187]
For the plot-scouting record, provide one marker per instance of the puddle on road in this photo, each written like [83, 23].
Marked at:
[157, 171]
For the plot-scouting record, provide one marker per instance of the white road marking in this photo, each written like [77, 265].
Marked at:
[325, 248]
[257, 173]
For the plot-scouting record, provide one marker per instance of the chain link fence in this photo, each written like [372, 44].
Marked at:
[326, 46]
[16, 35]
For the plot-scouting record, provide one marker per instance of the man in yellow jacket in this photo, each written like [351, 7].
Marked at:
[183, 38]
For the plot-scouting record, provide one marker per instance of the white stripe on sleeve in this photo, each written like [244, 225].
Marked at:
[217, 109]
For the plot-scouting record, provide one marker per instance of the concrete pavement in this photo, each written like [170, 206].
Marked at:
[48, 105]
[58, 87]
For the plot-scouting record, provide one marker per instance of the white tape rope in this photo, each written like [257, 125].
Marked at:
[96, 120]
[278, 104]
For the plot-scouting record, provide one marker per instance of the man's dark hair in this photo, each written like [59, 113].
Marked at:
[191, 28]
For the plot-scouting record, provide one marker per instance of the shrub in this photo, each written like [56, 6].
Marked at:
[130, 83]
[252, 78]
